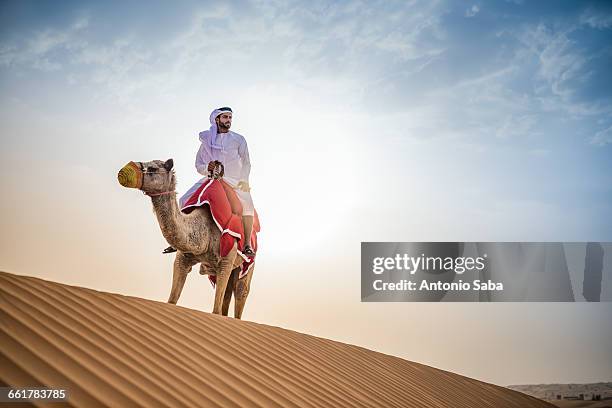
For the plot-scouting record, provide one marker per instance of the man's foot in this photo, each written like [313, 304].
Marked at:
[169, 250]
[248, 251]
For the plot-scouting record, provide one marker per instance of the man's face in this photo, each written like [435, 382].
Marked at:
[224, 121]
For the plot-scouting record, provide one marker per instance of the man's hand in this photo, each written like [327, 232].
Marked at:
[244, 186]
[215, 169]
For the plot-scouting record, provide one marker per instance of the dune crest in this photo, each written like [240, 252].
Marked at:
[120, 351]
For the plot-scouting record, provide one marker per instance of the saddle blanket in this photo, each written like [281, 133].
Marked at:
[226, 211]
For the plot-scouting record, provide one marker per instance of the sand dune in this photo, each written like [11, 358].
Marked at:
[120, 351]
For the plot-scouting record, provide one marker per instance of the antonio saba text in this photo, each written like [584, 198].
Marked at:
[424, 285]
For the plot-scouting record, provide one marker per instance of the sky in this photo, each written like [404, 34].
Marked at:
[366, 121]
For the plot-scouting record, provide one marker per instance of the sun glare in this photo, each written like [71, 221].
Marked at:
[304, 187]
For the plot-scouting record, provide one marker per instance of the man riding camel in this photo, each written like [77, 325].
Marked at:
[230, 148]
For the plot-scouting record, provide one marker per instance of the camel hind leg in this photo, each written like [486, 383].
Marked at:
[224, 272]
[228, 292]
[182, 266]
[241, 292]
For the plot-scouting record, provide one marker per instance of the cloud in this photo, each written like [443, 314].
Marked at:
[603, 137]
[566, 68]
[560, 65]
[285, 41]
[350, 55]
[560, 60]
[35, 51]
[471, 12]
[111, 68]
[514, 126]
[594, 19]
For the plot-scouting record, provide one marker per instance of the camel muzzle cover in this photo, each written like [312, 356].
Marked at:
[130, 176]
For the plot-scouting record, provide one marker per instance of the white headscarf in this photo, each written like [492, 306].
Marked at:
[209, 137]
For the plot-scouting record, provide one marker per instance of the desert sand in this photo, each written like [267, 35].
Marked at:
[120, 351]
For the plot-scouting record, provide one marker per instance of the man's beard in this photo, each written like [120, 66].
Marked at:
[224, 127]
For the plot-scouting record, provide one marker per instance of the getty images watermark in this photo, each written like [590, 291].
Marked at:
[486, 271]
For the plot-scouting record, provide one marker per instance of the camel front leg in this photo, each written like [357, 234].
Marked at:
[182, 266]
[223, 274]
[241, 292]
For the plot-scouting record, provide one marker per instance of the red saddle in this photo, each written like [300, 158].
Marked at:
[226, 211]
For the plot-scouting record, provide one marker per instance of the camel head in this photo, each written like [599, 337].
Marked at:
[152, 177]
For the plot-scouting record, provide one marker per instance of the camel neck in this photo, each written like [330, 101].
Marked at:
[171, 220]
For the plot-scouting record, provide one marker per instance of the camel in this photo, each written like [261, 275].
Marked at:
[195, 236]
